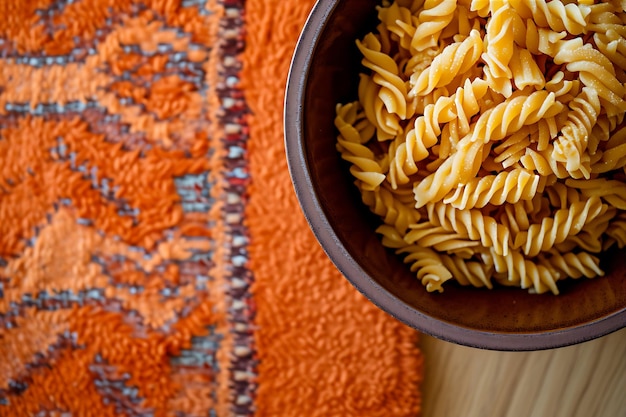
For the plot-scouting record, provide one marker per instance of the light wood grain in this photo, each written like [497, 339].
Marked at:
[585, 380]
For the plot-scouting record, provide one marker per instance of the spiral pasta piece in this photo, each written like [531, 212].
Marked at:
[408, 149]
[457, 169]
[544, 164]
[554, 14]
[433, 18]
[542, 41]
[391, 237]
[463, 22]
[437, 237]
[517, 270]
[605, 17]
[614, 154]
[400, 21]
[574, 265]
[516, 112]
[611, 191]
[617, 231]
[428, 266]
[501, 30]
[481, 7]
[561, 196]
[471, 223]
[553, 230]
[387, 124]
[612, 44]
[572, 144]
[350, 144]
[386, 74]
[467, 272]
[456, 58]
[515, 218]
[596, 229]
[507, 186]
[390, 208]
[594, 70]
[564, 90]
[524, 70]
[455, 111]
[511, 149]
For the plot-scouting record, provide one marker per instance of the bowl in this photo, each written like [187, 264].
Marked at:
[322, 74]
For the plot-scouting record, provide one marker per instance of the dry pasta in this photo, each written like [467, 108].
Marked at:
[489, 137]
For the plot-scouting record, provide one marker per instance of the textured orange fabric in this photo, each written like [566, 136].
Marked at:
[118, 280]
[136, 208]
[324, 349]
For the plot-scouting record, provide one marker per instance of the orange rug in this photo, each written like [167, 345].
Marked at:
[153, 258]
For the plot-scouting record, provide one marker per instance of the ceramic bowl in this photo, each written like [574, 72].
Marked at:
[323, 73]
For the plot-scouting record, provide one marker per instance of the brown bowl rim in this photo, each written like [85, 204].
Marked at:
[295, 150]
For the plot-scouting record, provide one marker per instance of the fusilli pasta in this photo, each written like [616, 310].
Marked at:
[489, 137]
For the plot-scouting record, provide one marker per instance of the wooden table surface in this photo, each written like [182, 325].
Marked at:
[585, 380]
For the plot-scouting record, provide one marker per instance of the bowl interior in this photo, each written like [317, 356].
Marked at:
[324, 72]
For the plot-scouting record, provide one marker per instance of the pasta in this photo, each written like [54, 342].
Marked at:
[389, 206]
[489, 137]
[427, 265]
[507, 186]
[555, 229]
